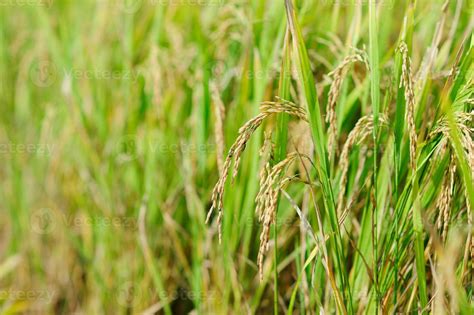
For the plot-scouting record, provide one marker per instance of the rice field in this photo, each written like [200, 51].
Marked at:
[236, 157]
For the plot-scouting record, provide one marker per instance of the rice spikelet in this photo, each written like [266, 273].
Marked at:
[362, 129]
[463, 122]
[407, 81]
[338, 75]
[267, 202]
[444, 202]
[235, 151]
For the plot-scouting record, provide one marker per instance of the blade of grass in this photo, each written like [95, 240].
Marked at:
[307, 83]
[281, 140]
[375, 97]
[308, 261]
[407, 33]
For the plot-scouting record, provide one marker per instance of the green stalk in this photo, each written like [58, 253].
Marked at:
[407, 34]
[281, 140]
[275, 267]
[375, 97]
[319, 140]
[419, 247]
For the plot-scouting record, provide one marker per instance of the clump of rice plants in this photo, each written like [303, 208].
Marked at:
[403, 208]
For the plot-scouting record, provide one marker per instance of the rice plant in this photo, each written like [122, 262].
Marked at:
[236, 157]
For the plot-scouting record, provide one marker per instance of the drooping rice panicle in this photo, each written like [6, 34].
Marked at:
[407, 82]
[338, 76]
[362, 130]
[444, 202]
[267, 201]
[236, 150]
